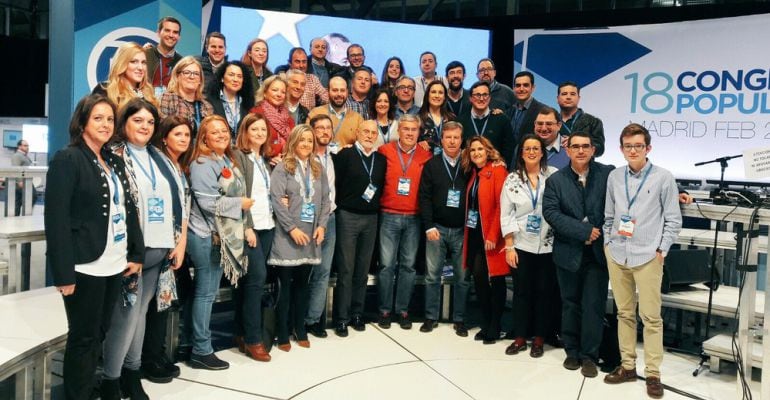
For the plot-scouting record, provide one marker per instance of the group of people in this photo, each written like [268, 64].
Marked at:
[227, 168]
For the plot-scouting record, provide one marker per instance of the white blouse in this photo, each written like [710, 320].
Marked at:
[516, 206]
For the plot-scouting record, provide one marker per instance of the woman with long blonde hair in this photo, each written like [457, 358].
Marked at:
[128, 77]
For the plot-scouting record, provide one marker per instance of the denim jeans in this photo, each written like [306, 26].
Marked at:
[450, 241]
[319, 275]
[399, 240]
[248, 294]
[357, 237]
[208, 272]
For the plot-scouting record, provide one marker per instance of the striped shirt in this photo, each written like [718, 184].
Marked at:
[654, 199]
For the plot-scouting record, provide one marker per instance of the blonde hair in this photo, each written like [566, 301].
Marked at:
[173, 84]
[201, 149]
[118, 89]
[492, 154]
[270, 82]
[290, 159]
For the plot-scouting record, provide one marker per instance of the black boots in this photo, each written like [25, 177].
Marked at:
[109, 389]
[131, 385]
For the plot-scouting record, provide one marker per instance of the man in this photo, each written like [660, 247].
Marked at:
[356, 58]
[400, 224]
[442, 209]
[574, 119]
[458, 99]
[428, 69]
[547, 127]
[405, 97]
[525, 109]
[319, 66]
[480, 121]
[358, 100]
[216, 54]
[295, 88]
[314, 93]
[642, 220]
[21, 159]
[345, 122]
[360, 172]
[573, 204]
[502, 95]
[319, 276]
[162, 58]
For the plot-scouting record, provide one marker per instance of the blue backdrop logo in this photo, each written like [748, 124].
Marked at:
[99, 60]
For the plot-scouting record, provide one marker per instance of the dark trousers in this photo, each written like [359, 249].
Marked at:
[248, 294]
[356, 234]
[584, 295]
[89, 311]
[533, 281]
[490, 291]
[154, 334]
[292, 302]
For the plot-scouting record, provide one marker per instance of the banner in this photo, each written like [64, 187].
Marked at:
[699, 87]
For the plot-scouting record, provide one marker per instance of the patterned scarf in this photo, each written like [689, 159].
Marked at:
[234, 260]
[278, 117]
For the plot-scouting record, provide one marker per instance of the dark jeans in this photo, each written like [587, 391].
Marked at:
[292, 302]
[89, 312]
[248, 294]
[533, 281]
[490, 291]
[584, 295]
[356, 234]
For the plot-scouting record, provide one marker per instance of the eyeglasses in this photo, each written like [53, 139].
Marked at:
[532, 149]
[636, 146]
[584, 147]
[356, 55]
[485, 70]
[480, 96]
[409, 88]
[187, 74]
[546, 123]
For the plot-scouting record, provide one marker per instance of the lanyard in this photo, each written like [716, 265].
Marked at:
[325, 160]
[306, 178]
[340, 117]
[460, 110]
[233, 114]
[475, 192]
[114, 179]
[534, 196]
[439, 128]
[568, 126]
[197, 114]
[483, 128]
[385, 132]
[446, 165]
[367, 169]
[260, 163]
[404, 168]
[151, 175]
[630, 199]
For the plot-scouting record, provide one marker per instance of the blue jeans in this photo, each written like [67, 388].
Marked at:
[399, 239]
[450, 241]
[319, 275]
[208, 272]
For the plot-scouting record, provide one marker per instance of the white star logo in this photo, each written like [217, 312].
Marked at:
[280, 23]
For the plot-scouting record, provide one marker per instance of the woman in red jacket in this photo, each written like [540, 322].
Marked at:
[271, 102]
[483, 243]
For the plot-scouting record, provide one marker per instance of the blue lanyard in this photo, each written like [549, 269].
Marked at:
[306, 178]
[568, 127]
[197, 114]
[475, 192]
[260, 163]
[114, 179]
[385, 134]
[460, 102]
[483, 128]
[439, 128]
[404, 168]
[446, 165]
[534, 196]
[325, 160]
[367, 169]
[340, 118]
[151, 175]
[630, 199]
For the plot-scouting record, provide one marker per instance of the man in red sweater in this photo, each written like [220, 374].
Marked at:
[400, 222]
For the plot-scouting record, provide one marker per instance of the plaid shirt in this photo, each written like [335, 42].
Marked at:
[313, 89]
[174, 104]
[361, 107]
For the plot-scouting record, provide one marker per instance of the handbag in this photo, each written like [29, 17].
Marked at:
[166, 291]
[216, 241]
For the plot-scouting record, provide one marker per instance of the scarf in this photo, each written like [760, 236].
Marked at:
[279, 119]
[235, 263]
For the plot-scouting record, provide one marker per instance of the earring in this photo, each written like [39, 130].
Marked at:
[164, 143]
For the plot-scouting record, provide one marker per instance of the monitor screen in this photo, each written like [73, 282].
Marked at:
[11, 137]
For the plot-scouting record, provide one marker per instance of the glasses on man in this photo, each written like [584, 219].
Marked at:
[480, 96]
[546, 123]
[194, 74]
[535, 149]
[635, 146]
[485, 70]
[584, 147]
[407, 88]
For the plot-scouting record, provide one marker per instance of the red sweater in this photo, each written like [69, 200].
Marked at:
[391, 201]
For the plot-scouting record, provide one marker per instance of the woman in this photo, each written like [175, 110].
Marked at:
[483, 244]
[231, 95]
[93, 239]
[128, 77]
[215, 234]
[255, 57]
[299, 179]
[154, 189]
[392, 70]
[251, 154]
[184, 95]
[271, 102]
[528, 245]
[434, 113]
[384, 114]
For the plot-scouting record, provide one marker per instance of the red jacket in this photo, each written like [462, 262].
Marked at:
[276, 142]
[491, 180]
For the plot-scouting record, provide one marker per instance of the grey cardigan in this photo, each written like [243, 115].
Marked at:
[204, 181]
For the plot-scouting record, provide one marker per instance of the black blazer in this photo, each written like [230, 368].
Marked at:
[219, 109]
[77, 211]
[565, 205]
[527, 121]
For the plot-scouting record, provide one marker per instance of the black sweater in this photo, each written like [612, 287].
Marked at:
[498, 131]
[352, 179]
[434, 188]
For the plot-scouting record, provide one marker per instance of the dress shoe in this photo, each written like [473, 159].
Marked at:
[404, 322]
[571, 363]
[317, 330]
[480, 335]
[257, 352]
[383, 321]
[358, 323]
[537, 347]
[654, 387]
[520, 344]
[210, 362]
[428, 326]
[303, 343]
[341, 329]
[284, 346]
[588, 368]
[238, 340]
[169, 366]
[154, 371]
[620, 375]
[460, 329]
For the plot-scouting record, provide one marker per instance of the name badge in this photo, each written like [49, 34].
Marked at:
[369, 193]
[473, 219]
[159, 91]
[307, 214]
[448, 270]
[118, 227]
[404, 184]
[334, 147]
[627, 224]
[453, 198]
[437, 150]
[155, 212]
[533, 223]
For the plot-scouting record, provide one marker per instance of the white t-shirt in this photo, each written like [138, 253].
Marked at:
[157, 224]
[261, 211]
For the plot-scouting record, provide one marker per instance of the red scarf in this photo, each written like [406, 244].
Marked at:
[278, 117]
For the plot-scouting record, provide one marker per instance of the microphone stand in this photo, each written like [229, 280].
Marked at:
[712, 287]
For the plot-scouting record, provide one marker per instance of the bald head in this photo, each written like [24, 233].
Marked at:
[338, 91]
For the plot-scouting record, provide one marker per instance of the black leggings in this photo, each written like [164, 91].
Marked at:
[292, 302]
[489, 290]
